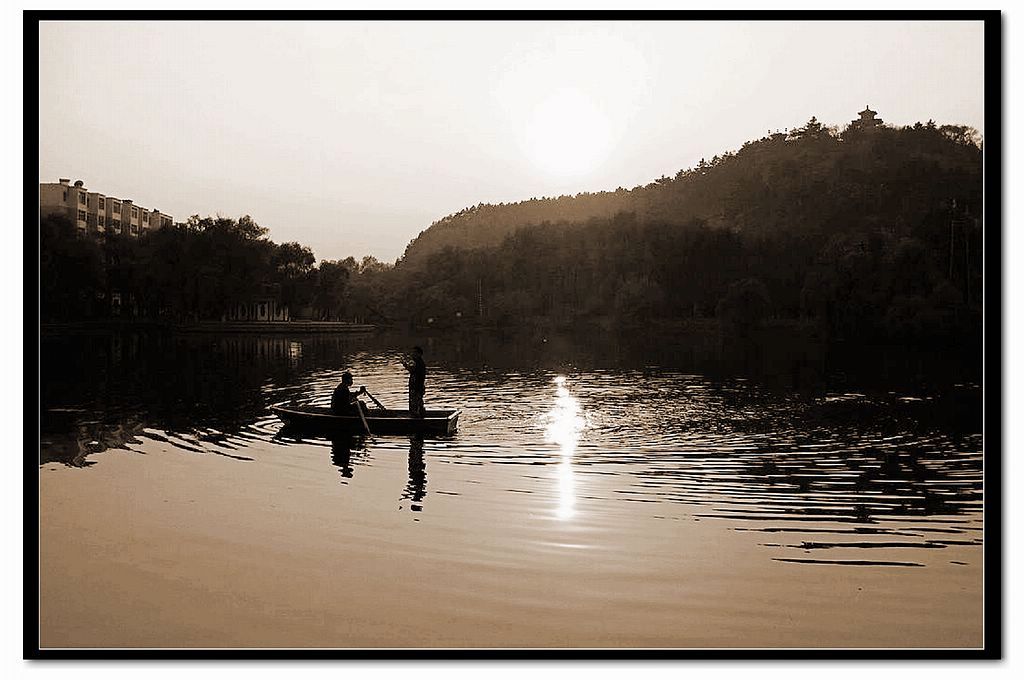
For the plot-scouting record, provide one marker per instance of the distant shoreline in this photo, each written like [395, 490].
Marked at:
[807, 329]
[212, 326]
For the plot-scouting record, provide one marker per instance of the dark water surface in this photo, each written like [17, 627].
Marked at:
[849, 461]
[775, 431]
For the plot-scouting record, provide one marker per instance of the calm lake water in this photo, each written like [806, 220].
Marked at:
[603, 490]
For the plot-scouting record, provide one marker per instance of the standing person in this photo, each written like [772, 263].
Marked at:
[417, 381]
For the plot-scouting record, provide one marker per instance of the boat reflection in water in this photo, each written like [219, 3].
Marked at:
[564, 424]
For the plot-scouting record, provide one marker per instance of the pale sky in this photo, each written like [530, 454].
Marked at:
[352, 137]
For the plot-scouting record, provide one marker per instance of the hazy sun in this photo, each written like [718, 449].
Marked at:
[568, 135]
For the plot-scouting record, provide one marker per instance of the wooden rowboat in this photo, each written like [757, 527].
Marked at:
[321, 420]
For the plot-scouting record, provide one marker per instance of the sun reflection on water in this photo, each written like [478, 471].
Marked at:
[565, 423]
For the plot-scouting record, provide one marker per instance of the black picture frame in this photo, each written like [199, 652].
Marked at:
[993, 330]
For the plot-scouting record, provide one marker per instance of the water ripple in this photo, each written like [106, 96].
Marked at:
[878, 465]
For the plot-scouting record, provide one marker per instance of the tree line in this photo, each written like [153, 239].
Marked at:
[867, 233]
[195, 271]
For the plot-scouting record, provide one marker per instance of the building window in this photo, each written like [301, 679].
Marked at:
[117, 208]
[117, 226]
[81, 215]
[135, 229]
[81, 198]
[99, 220]
[103, 203]
[145, 216]
[135, 211]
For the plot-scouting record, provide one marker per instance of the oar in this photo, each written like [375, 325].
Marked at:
[375, 401]
[359, 408]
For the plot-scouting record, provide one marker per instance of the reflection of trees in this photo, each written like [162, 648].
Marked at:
[783, 358]
[94, 387]
[848, 461]
[866, 481]
[191, 384]
[78, 440]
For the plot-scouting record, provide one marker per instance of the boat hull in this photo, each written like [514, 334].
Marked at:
[321, 420]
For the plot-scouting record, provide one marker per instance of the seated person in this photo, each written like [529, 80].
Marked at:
[343, 401]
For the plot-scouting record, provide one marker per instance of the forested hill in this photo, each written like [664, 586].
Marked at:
[812, 180]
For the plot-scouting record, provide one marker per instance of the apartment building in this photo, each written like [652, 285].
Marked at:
[68, 201]
[95, 213]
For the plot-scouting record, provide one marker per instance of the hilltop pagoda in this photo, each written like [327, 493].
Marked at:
[867, 119]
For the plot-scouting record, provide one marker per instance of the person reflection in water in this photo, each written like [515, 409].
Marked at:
[343, 401]
[416, 489]
[417, 381]
[341, 454]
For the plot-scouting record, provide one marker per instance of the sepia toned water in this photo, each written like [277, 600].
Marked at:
[603, 490]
